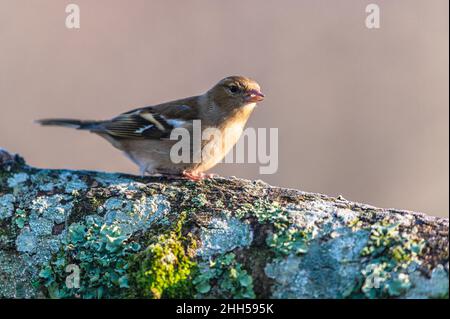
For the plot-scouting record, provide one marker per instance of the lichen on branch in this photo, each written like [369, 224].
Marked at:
[154, 237]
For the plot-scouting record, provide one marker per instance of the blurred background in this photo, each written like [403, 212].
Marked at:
[360, 112]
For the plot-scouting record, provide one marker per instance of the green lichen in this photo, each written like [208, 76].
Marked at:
[223, 277]
[287, 237]
[264, 210]
[289, 240]
[165, 268]
[20, 218]
[199, 200]
[389, 252]
[100, 251]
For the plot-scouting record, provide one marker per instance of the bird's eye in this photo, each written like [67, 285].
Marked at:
[233, 89]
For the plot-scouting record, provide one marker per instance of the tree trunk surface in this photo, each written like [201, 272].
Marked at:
[81, 234]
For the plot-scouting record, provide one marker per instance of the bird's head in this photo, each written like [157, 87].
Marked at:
[235, 92]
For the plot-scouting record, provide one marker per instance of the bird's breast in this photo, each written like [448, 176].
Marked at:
[217, 143]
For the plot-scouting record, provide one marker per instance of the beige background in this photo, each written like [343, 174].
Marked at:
[362, 113]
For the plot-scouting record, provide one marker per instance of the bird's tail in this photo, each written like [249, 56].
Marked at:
[77, 124]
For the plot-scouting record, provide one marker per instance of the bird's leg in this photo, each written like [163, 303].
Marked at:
[143, 170]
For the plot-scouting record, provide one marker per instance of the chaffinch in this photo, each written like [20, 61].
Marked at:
[143, 133]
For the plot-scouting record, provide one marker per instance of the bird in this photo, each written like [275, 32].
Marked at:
[144, 134]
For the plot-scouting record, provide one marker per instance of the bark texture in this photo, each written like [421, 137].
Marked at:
[79, 234]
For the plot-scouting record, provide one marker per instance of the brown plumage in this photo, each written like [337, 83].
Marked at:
[143, 133]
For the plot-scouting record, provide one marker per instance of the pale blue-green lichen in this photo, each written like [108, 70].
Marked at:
[26, 242]
[46, 211]
[135, 215]
[17, 179]
[434, 287]
[36, 247]
[223, 234]
[6, 206]
[41, 212]
[65, 180]
[115, 180]
[272, 213]
[327, 270]
[36, 239]
[346, 216]
[72, 183]
[361, 262]
[41, 219]
[125, 186]
[15, 275]
[318, 233]
[56, 208]
[313, 247]
[41, 226]
[294, 226]
[100, 251]
[101, 247]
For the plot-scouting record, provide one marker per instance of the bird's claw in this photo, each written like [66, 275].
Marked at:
[197, 176]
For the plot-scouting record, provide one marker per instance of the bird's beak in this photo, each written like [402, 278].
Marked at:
[254, 96]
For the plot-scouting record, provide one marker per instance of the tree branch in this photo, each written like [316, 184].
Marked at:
[79, 234]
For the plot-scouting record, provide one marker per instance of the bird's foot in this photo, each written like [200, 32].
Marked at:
[197, 176]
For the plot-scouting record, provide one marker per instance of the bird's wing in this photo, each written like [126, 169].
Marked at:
[148, 122]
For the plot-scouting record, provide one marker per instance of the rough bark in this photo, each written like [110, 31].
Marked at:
[125, 237]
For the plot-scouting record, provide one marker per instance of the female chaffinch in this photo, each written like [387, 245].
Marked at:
[143, 133]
